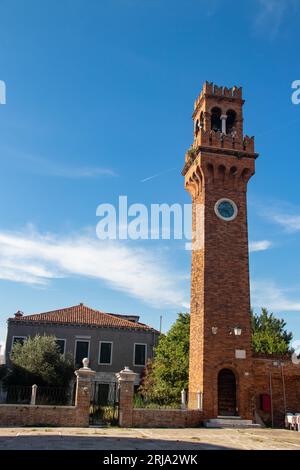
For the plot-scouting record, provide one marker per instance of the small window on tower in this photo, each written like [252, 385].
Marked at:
[216, 123]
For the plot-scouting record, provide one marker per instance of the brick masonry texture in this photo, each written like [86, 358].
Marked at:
[285, 387]
[220, 293]
[143, 418]
[28, 415]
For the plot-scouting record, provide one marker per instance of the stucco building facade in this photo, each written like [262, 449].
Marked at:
[110, 341]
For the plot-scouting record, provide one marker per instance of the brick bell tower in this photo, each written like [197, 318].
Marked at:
[217, 169]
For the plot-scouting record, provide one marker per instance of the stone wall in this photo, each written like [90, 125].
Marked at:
[277, 375]
[143, 417]
[37, 415]
[32, 415]
[165, 418]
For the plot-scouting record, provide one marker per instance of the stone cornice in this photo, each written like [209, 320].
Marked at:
[218, 151]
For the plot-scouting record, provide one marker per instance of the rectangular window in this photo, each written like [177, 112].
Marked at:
[18, 339]
[105, 352]
[81, 351]
[140, 353]
[61, 343]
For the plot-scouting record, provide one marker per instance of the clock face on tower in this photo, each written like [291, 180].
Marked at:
[226, 209]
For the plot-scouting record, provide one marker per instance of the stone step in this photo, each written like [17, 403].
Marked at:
[230, 422]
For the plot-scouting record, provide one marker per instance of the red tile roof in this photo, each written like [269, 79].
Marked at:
[82, 315]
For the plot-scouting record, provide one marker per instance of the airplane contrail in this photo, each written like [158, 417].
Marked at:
[157, 174]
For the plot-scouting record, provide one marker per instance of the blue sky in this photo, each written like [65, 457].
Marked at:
[99, 98]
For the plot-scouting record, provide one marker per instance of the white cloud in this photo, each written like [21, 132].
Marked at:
[291, 223]
[268, 294]
[34, 258]
[271, 14]
[260, 245]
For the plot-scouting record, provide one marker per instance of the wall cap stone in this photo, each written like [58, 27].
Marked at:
[126, 375]
[42, 407]
[85, 373]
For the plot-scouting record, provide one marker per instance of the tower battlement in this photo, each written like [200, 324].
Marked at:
[209, 88]
[219, 109]
[217, 139]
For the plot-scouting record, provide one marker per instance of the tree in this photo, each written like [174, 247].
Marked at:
[269, 334]
[167, 374]
[38, 361]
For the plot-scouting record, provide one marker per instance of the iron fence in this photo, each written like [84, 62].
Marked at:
[59, 396]
[141, 402]
[18, 394]
[40, 395]
[104, 406]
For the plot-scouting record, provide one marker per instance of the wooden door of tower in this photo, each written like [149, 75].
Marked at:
[227, 405]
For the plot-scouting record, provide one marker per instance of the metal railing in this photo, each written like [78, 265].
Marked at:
[141, 402]
[36, 395]
[18, 394]
[104, 405]
[53, 396]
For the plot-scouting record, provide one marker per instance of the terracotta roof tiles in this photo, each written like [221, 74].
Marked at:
[83, 315]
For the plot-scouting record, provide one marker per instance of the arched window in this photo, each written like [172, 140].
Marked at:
[216, 123]
[230, 122]
[197, 127]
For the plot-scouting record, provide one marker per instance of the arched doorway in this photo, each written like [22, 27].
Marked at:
[227, 405]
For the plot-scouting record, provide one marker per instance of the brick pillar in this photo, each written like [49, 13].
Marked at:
[126, 379]
[83, 393]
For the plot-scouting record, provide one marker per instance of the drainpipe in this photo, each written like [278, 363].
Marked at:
[271, 397]
[283, 388]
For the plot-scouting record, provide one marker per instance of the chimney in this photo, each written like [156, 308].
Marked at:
[19, 314]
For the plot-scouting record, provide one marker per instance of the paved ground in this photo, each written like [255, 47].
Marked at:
[149, 439]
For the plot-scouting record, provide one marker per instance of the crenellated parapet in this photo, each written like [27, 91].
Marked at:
[220, 140]
[218, 91]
